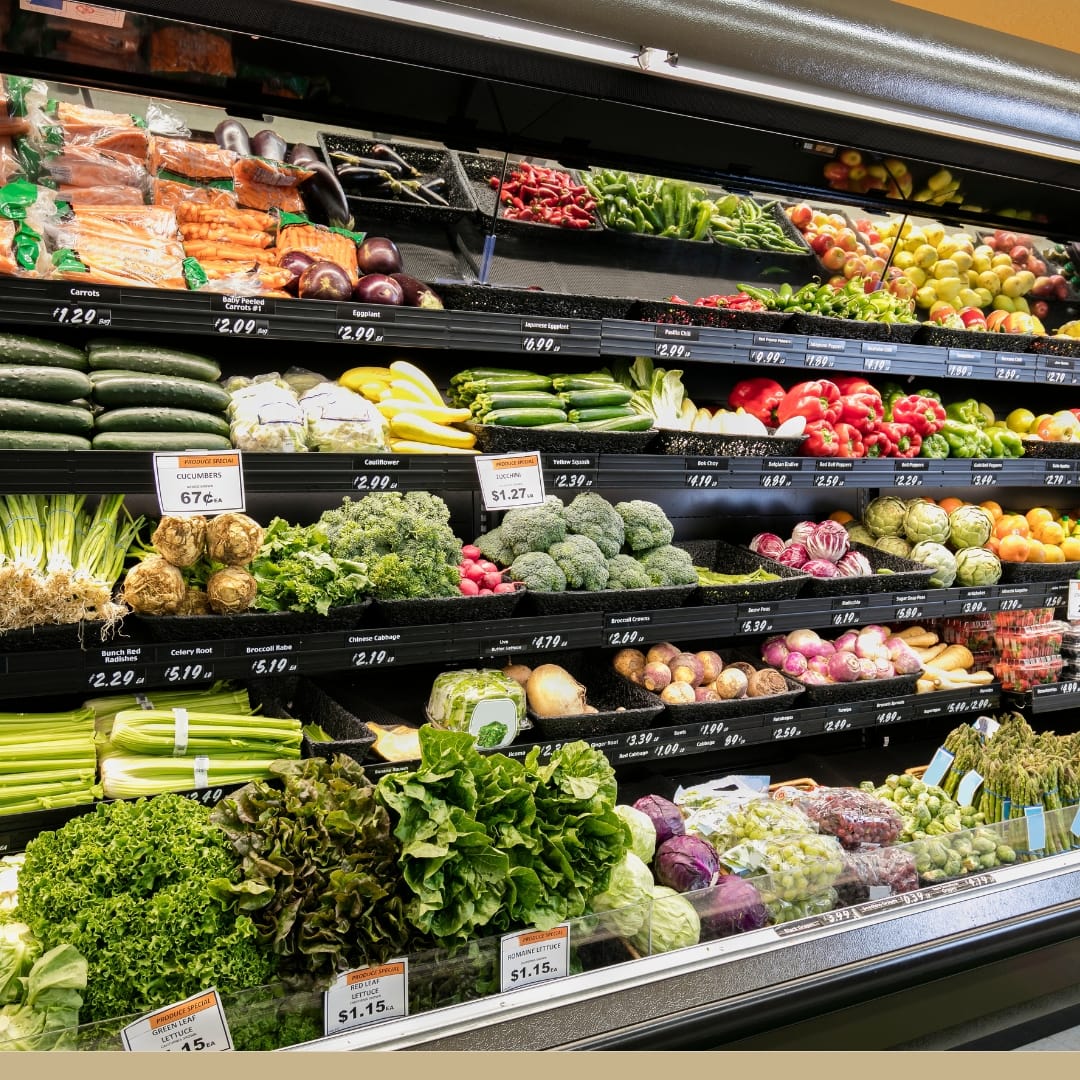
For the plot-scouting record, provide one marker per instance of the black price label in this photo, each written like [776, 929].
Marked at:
[908, 612]
[1006, 374]
[829, 480]
[907, 479]
[844, 618]
[1011, 603]
[774, 480]
[959, 371]
[115, 679]
[786, 731]
[768, 357]
[637, 739]
[672, 350]
[712, 727]
[702, 480]
[669, 749]
[983, 479]
[78, 315]
[241, 326]
[360, 333]
[373, 658]
[206, 796]
[625, 637]
[837, 723]
[273, 665]
[973, 607]
[755, 626]
[732, 739]
[572, 481]
[819, 360]
[888, 716]
[877, 364]
[539, 343]
[182, 673]
[375, 482]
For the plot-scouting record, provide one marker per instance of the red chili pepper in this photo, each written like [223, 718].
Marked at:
[854, 384]
[877, 444]
[759, 397]
[850, 441]
[861, 411]
[821, 440]
[906, 440]
[816, 400]
[924, 414]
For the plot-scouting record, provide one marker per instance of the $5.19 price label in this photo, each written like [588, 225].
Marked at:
[509, 480]
[535, 956]
[199, 483]
[366, 996]
[196, 1023]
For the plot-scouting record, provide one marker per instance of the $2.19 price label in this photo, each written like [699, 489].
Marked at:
[535, 956]
[199, 483]
[366, 996]
[509, 480]
[196, 1023]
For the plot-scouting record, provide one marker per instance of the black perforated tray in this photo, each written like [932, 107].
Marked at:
[905, 575]
[1054, 346]
[533, 302]
[495, 439]
[825, 325]
[1038, 448]
[947, 337]
[710, 445]
[350, 735]
[446, 609]
[249, 624]
[729, 559]
[1017, 573]
[573, 602]
[608, 693]
[863, 690]
[63, 636]
[664, 311]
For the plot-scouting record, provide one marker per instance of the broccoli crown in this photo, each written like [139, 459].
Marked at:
[667, 565]
[593, 516]
[627, 573]
[539, 571]
[493, 547]
[534, 528]
[582, 562]
[646, 525]
[404, 539]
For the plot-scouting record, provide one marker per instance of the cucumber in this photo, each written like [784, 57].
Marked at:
[154, 361]
[20, 349]
[160, 440]
[42, 383]
[18, 415]
[108, 373]
[150, 418]
[41, 440]
[121, 391]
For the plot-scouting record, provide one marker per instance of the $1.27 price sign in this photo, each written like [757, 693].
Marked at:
[366, 996]
[535, 956]
[196, 1023]
[199, 483]
[509, 480]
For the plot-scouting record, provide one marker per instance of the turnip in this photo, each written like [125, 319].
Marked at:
[662, 653]
[774, 651]
[794, 664]
[711, 666]
[870, 647]
[867, 669]
[884, 668]
[678, 693]
[687, 668]
[705, 694]
[655, 676]
[804, 641]
[844, 667]
[732, 683]
[819, 664]
[846, 641]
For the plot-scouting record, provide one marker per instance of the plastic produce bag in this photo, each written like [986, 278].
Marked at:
[484, 702]
[26, 211]
[265, 415]
[854, 817]
[872, 873]
[725, 822]
[341, 421]
[802, 864]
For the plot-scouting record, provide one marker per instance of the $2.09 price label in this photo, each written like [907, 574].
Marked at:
[366, 996]
[535, 956]
[199, 483]
[196, 1023]
[509, 480]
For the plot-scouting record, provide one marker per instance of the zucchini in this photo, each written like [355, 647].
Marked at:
[517, 399]
[160, 440]
[478, 374]
[609, 412]
[593, 381]
[150, 418]
[596, 399]
[498, 384]
[120, 391]
[41, 440]
[524, 417]
[42, 383]
[20, 349]
[18, 415]
[154, 361]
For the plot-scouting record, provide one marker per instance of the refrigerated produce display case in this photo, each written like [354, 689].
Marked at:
[775, 129]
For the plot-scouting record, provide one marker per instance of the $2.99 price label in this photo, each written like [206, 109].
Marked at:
[196, 1023]
[199, 483]
[509, 480]
[535, 956]
[366, 996]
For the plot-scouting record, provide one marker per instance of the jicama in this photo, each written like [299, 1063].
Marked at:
[161, 732]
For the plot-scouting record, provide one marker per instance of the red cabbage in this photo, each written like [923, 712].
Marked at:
[731, 906]
[686, 863]
[666, 817]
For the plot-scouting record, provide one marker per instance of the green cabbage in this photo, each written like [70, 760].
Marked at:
[642, 831]
[673, 924]
[970, 527]
[977, 566]
[926, 521]
[627, 897]
[940, 558]
[885, 516]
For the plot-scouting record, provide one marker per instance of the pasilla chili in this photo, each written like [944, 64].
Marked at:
[924, 414]
[816, 400]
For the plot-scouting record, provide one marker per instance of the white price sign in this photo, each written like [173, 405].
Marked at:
[509, 480]
[199, 483]
[197, 1023]
[1073, 611]
[535, 956]
[367, 995]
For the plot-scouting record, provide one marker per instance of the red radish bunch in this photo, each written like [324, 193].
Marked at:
[479, 577]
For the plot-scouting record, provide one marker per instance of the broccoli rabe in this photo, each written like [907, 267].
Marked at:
[534, 528]
[667, 565]
[539, 572]
[627, 573]
[582, 562]
[646, 525]
[493, 547]
[593, 516]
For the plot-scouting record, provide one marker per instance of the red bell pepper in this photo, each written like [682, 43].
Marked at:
[862, 411]
[821, 440]
[758, 397]
[855, 384]
[906, 439]
[817, 400]
[877, 444]
[850, 441]
[924, 414]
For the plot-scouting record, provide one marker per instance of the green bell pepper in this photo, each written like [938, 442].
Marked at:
[965, 412]
[966, 440]
[930, 394]
[890, 394]
[934, 446]
[1005, 443]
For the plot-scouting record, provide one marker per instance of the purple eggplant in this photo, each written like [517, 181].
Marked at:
[417, 294]
[324, 281]
[378, 255]
[232, 135]
[378, 289]
[302, 154]
[269, 144]
[297, 263]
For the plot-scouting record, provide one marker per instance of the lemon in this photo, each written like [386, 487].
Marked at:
[1020, 420]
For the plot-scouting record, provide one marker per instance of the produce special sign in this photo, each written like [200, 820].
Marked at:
[1001, 16]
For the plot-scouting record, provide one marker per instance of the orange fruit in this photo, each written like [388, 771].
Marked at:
[1071, 549]
[1010, 525]
[1036, 516]
[841, 516]
[992, 544]
[1036, 551]
[1050, 532]
[1013, 548]
[950, 504]
[1054, 553]
[993, 507]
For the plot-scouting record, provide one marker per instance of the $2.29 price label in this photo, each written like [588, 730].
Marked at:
[196, 1023]
[509, 480]
[366, 996]
[199, 483]
[535, 956]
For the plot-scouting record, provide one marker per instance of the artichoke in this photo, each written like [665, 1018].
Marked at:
[858, 533]
[970, 527]
[893, 545]
[926, 521]
[940, 559]
[885, 516]
[977, 566]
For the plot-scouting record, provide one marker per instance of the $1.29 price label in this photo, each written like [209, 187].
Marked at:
[196, 1023]
[199, 483]
[366, 996]
[509, 480]
[535, 956]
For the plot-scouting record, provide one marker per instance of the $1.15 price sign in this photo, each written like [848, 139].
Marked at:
[199, 483]
[535, 956]
[509, 480]
[196, 1023]
[366, 996]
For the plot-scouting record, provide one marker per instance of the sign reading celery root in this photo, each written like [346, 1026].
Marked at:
[199, 483]
[534, 956]
[509, 480]
[367, 995]
[196, 1023]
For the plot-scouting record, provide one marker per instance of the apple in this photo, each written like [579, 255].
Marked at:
[1040, 309]
[1018, 322]
[837, 281]
[902, 288]
[821, 243]
[846, 239]
[1019, 254]
[855, 267]
[851, 157]
[836, 172]
[973, 318]
[995, 319]
[834, 258]
[801, 215]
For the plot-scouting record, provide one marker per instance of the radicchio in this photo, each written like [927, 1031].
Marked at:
[854, 564]
[820, 568]
[794, 555]
[803, 531]
[767, 544]
[828, 541]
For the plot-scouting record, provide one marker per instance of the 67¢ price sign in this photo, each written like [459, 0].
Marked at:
[199, 483]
